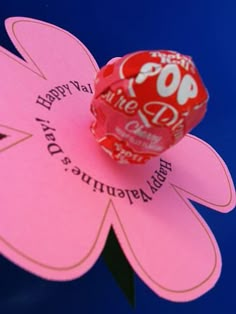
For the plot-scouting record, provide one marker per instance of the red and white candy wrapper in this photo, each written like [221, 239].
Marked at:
[146, 102]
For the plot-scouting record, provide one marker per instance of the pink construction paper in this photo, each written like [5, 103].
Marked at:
[60, 193]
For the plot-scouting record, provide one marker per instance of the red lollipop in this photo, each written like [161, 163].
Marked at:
[146, 102]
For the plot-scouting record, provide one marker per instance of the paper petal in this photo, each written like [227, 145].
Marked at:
[201, 174]
[50, 222]
[169, 246]
[49, 51]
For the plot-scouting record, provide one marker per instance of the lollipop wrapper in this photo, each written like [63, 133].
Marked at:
[145, 102]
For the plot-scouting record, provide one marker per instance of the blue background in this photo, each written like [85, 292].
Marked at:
[204, 29]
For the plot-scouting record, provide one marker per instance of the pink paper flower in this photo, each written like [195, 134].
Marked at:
[60, 193]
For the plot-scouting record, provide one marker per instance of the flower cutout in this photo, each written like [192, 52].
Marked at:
[60, 193]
